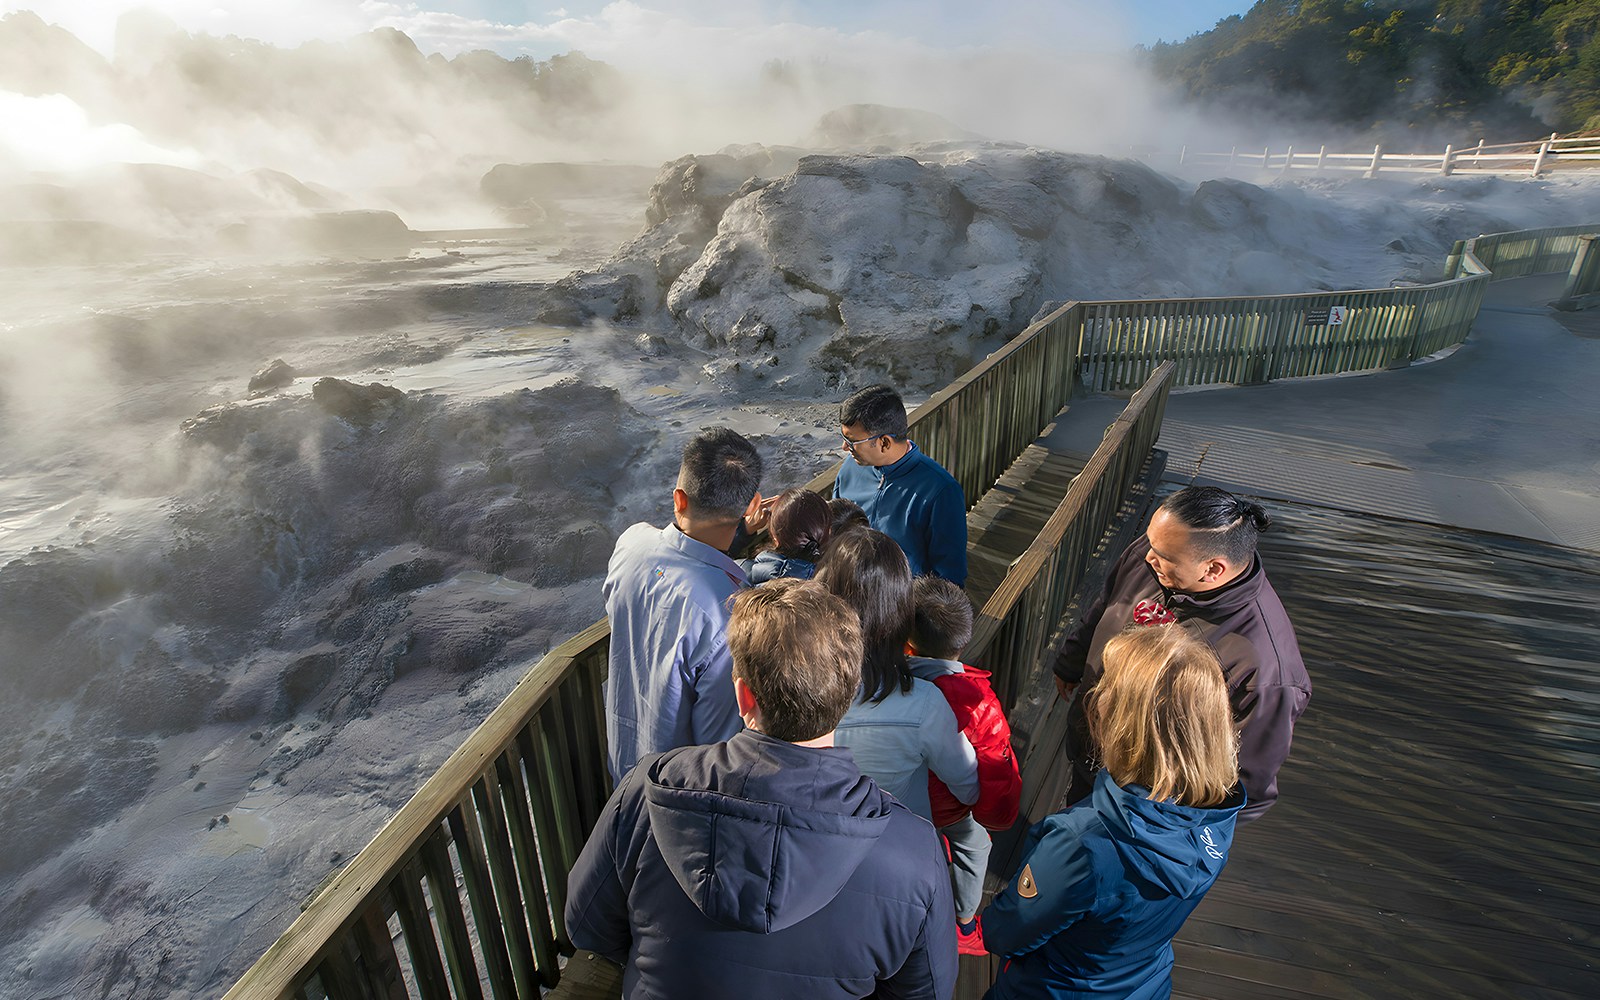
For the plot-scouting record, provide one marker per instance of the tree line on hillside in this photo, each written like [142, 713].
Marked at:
[1418, 68]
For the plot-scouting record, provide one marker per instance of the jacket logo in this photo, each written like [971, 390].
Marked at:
[1027, 888]
[1211, 845]
[1153, 613]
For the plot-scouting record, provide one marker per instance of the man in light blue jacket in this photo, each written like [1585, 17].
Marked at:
[666, 592]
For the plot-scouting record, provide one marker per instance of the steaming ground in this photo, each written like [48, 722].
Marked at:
[238, 628]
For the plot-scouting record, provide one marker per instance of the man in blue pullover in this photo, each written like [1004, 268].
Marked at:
[905, 494]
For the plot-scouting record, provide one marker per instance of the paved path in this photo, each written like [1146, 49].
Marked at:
[1503, 435]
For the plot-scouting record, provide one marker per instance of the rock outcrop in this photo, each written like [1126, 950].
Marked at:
[831, 270]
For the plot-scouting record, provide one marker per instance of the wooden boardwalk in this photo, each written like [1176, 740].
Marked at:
[1009, 517]
[1437, 828]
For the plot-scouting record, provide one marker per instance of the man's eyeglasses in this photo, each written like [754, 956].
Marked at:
[850, 445]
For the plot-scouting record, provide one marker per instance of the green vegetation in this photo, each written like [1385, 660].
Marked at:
[1497, 65]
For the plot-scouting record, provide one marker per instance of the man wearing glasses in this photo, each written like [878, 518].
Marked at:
[905, 494]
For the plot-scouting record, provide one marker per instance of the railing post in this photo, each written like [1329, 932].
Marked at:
[1583, 279]
[1444, 168]
[1288, 161]
[1266, 153]
[1538, 161]
[1183, 154]
[1233, 157]
[1322, 157]
[1478, 152]
[1377, 157]
[1452, 263]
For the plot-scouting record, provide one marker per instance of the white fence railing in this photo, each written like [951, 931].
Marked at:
[1529, 158]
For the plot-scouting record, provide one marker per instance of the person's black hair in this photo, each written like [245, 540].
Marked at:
[878, 409]
[1220, 524]
[721, 472]
[846, 514]
[868, 570]
[800, 525]
[943, 620]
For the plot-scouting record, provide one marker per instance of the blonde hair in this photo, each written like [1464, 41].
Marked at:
[1161, 718]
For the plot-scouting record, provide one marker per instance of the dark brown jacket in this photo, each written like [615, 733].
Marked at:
[1244, 622]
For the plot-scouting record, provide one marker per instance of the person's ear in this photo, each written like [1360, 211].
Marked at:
[1216, 569]
[680, 502]
[753, 509]
[746, 699]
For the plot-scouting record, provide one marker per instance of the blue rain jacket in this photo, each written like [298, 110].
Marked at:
[1112, 879]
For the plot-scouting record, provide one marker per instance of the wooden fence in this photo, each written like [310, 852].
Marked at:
[1583, 277]
[1530, 158]
[491, 835]
[1011, 631]
[470, 875]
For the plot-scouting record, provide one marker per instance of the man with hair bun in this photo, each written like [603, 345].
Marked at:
[767, 865]
[1197, 564]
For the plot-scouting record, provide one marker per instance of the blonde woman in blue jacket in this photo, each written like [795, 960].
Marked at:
[1106, 883]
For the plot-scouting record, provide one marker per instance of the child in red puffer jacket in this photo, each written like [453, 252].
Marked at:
[943, 624]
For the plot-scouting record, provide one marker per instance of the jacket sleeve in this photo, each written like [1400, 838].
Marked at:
[949, 753]
[929, 972]
[1266, 729]
[597, 904]
[946, 541]
[1063, 878]
[713, 712]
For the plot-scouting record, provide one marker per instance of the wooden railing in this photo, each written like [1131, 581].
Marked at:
[490, 837]
[1258, 339]
[1529, 251]
[470, 875]
[1532, 158]
[1014, 626]
[1262, 338]
[977, 425]
[1583, 277]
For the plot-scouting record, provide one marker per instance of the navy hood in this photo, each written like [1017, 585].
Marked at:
[1176, 848]
[759, 833]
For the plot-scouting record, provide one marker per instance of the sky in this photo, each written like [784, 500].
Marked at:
[602, 28]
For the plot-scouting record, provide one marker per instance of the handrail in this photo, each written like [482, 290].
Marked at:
[1533, 157]
[1583, 277]
[518, 798]
[1012, 629]
[980, 423]
[492, 834]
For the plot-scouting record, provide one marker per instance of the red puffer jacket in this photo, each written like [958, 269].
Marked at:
[983, 723]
